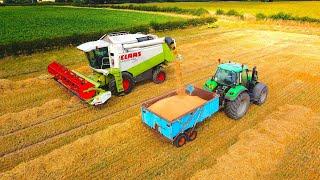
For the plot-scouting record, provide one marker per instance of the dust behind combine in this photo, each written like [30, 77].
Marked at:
[72, 140]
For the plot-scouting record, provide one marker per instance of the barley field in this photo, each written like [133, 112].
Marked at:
[51, 133]
[296, 8]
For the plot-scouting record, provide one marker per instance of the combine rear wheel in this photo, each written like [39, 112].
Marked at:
[158, 76]
[237, 108]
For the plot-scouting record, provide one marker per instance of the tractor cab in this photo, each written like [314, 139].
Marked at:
[231, 74]
[97, 53]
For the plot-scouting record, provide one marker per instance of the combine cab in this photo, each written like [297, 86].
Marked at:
[119, 61]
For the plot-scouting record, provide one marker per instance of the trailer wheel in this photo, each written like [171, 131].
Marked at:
[192, 135]
[180, 140]
[158, 76]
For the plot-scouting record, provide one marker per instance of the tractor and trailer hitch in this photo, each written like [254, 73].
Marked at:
[120, 60]
[232, 88]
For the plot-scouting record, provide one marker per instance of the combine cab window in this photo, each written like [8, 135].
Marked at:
[99, 58]
[225, 77]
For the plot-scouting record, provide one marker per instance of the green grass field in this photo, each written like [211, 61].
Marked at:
[298, 8]
[30, 23]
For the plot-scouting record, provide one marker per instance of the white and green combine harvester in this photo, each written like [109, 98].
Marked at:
[118, 60]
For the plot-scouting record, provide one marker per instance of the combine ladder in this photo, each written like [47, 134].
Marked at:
[118, 78]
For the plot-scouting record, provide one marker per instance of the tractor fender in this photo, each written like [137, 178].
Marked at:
[210, 85]
[233, 92]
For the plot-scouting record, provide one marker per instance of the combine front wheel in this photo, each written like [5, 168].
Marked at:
[127, 82]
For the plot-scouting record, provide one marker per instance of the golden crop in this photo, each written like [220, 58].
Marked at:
[57, 136]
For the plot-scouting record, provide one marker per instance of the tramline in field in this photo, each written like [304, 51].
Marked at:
[118, 60]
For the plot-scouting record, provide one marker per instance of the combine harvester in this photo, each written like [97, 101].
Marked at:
[231, 88]
[118, 60]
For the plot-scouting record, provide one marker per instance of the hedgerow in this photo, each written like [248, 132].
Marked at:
[181, 24]
[195, 12]
[28, 47]
[231, 12]
[220, 12]
[286, 16]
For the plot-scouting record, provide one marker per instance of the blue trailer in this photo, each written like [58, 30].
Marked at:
[181, 129]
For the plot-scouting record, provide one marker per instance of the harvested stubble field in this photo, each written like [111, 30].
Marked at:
[46, 131]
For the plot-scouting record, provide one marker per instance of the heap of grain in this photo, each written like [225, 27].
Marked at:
[175, 106]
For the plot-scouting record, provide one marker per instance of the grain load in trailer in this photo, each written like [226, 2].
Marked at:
[176, 116]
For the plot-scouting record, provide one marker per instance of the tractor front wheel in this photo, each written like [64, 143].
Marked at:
[237, 108]
[260, 93]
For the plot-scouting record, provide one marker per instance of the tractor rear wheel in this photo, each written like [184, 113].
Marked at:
[237, 108]
[158, 76]
[260, 93]
[180, 140]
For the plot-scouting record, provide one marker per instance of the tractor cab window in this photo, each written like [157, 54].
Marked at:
[99, 58]
[226, 77]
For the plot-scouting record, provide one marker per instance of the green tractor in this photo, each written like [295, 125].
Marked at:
[237, 87]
